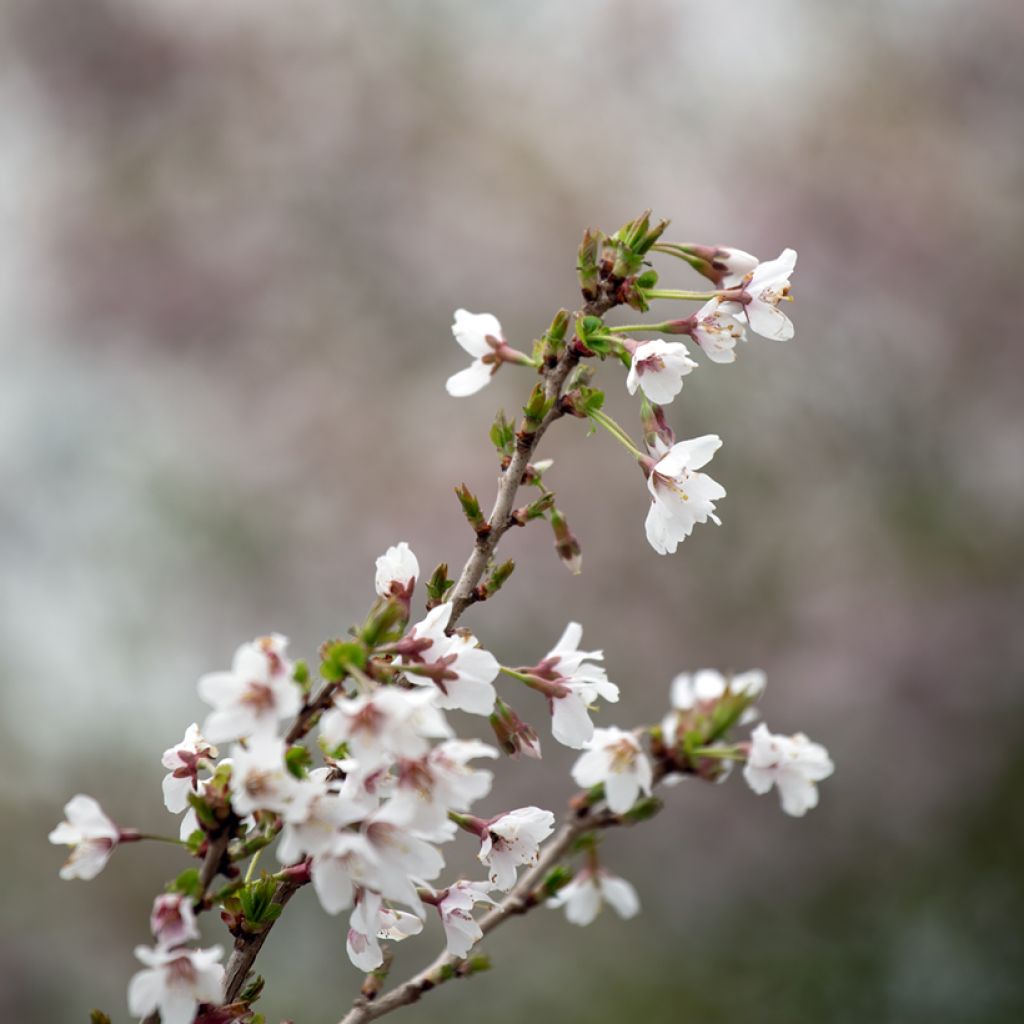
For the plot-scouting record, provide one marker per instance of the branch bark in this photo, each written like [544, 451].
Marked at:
[246, 950]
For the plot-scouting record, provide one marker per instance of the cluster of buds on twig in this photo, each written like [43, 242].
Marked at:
[360, 781]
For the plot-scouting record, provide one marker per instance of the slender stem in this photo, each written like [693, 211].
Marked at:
[157, 839]
[613, 428]
[252, 865]
[625, 328]
[675, 293]
[722, 753]
[521, 676]
[680, 253]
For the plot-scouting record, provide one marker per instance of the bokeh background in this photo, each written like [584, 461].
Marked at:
[232, 239]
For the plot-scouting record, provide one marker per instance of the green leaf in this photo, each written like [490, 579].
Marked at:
[187, 883]
[339, 657]
[503, 434]
[298, 759]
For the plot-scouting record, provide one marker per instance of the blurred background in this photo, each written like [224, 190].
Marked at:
[233, 236]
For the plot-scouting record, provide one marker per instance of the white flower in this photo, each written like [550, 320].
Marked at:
[387, 723]
[793, 763]
[361, 944]
[260, 779]
[396, 568]
[175, 983]
[183, 761]
[172, 920]
[584, 896]
[313, 819]
[254, 695]
[349, 861]
[91, 835]
[463, 672]
[428, 788]
[763, 289]
[717, 332]
[616, 760]
[481, 336]
[513, 839]
[402, 859]
[658, 367]
[680, 496]
[576, 684]
[456, 910]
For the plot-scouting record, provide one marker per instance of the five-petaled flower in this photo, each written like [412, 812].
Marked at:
[615, 759]
[572, 682]
[183, 762]
[755, 301]
[461, 670]
[175, 982]
[455, 906]
[681, 497]
[91, 835]
[658, 368]
[512, 839]
[792, 763]
[256, 694]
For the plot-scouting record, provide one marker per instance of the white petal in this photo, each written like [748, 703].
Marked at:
[470, 380]
[621, 895]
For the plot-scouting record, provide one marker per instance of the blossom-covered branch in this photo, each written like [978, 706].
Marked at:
[362, 816]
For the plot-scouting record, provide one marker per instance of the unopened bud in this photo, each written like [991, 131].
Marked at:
[655, 425]
[566, 544]
[514, 736]
[471, 509]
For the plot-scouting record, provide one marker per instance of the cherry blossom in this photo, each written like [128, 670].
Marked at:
[401, 857]
[313, 818]
[681, 497]
[758, 295]
[461, 931]
[584, 896]
[256, 694]
[716, 332]
[513, 839]
[481, 336]
[616, 760]
[172, 920]
[260, 779]
[792, 763]
[183, 761]
[91, 835]
[175, 982]
[463, 672]
[350, 860]
[428, 788]
[384, 724]
[573, 683]
[397, 571]
[658, 367]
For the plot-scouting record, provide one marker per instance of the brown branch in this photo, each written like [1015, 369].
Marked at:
[500, 518]
[247, 948]
[522, 898]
